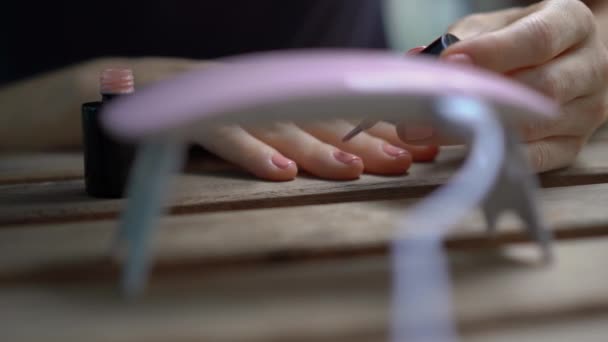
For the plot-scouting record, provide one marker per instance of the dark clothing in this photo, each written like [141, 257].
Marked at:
[46, 35]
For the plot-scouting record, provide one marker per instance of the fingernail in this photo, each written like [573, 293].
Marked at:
[281, 162]
[415, 50]
[459, 58]
[394, 151]
[414, 133]
[346, 158]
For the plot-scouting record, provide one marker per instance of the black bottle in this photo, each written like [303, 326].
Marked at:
[107, 162]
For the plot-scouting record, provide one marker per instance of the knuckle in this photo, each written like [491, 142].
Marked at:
[545, 37]
[536, 129]
[578, 144]
[597, 112]
[468, 25]
[530, 130]
[540, 156]
[271, 132]
[551, 154]
[552, 84]
[281, 126]
[583, 14]
[579, 17]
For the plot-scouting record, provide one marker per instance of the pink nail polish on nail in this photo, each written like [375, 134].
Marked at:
[346, 158]
[394, 151]
[459, 58]
[415, 50]
[281, 162]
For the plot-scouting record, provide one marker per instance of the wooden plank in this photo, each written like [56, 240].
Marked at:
[210, 191]
[590, 328]
[33, 167]
[338, 300]
[217, 240]
[40, 167]
[196, 191]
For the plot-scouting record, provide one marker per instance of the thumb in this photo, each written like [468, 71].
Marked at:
[553, 153]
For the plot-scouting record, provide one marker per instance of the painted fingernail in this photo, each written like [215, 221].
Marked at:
[281, 162]
[394, 151]
[459, 58]
[415, 133]
[346, 158]
[415, 50]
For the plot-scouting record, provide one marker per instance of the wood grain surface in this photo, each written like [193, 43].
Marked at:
[204, 191]
[498, 295]
[40, 167]
[247, 260]
[216, 240]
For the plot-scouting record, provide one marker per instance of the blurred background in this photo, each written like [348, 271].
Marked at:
[51, 35]
[416, 22]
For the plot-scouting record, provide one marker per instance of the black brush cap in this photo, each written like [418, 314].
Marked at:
[440, 44]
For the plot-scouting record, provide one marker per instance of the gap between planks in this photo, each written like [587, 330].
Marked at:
[65, 201]
[247, 238]
[496, 294]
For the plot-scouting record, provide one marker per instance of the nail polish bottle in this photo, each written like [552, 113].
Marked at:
[440, 44]
[107, 162]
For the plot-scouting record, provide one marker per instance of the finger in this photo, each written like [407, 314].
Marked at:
[379, 156]
[312, 155]
[579, 117]
[532, 40]
[553, 153]
[235, 145]
[476, 24]
[388, 132]
[577, 73]
[415, 51]
[425, 135]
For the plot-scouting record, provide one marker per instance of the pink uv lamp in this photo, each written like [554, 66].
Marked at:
[477, 107]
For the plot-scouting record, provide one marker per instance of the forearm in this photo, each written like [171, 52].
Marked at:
[44, 112]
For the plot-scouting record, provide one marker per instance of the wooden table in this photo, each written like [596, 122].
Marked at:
[247, 260]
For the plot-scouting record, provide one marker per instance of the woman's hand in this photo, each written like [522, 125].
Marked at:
[276, 152]
[553, 47]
